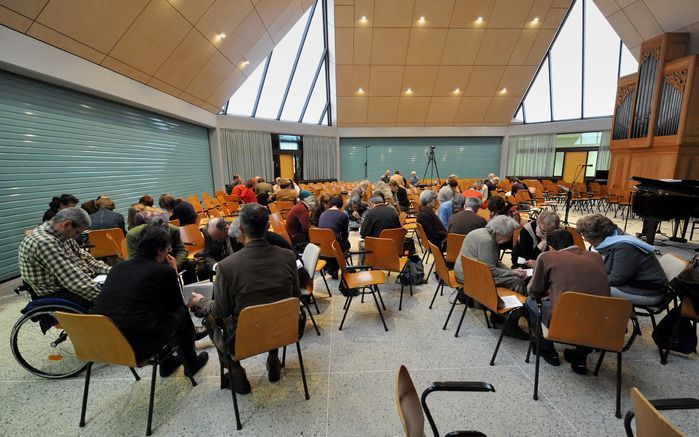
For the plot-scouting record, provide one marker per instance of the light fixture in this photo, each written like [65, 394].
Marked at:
[479, 20]
[421, 20]
[221, 35]
[535, 20]
[503, 91]
[363, 19]
[360, 91]
[244, 63]
[456, 91]
[409, 92]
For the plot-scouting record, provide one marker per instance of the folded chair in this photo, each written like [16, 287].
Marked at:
[650, 422]
[260, 329]
[597, 322]
[411, 408]
[97, 340]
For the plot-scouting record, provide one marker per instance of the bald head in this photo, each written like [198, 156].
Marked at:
[217, 228]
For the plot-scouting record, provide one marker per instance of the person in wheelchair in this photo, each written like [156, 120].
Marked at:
[53, 264]
[143, 298]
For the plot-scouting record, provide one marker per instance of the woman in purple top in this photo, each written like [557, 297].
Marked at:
[337, 220]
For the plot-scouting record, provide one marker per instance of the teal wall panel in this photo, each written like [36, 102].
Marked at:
[54, 140]
[467, 157]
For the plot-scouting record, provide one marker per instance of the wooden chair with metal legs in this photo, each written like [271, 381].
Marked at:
[381, 255]
[102, 246]
[262, 328]
[413, 409]
[398, 237]
[279, 226]
[688, 310]
[96, 339]
[596, 322]
[445, 276]
[324, 239]
[193, 239]
[650, 422]
[425, 242]
[310, 260]
[454, 243]
[358, 279]
[481, 288]
[577, 238]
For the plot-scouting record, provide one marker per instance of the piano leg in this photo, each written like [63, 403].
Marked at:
[676, 229]
[650, 228]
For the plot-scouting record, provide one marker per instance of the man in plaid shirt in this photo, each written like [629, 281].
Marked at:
[51, 262]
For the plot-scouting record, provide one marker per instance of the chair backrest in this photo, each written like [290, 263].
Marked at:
[214, 212]
[277, 223]
[515, 235]
[206, 196]
[397, 235]
[408, 405]
[310, 259]
[454, 242]
[381, 254]
[285, 205]
[424, 241]
[479, 283]
[96, 339]
[323, 238]
[273, 207]
[440, 264]
[175, 222]
[262, 328]
[119, 247]
[338, 255]
[103, 246]
[484, 212]
[577, 238]
[672, 265]
[192, 234]
[590, 320]
[649, 421]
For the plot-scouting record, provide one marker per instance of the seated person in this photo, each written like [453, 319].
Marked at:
[286, 191]
[414, 180]
[532, 238]
[499, 206]
[382, 187]
[58, 203]
[446, 209]
[435, 230]
[246, 192]
[400, 180]
[184, 265]
[337, 220]
[140, 214]
[518, 185]
[360, 190]
[633, 270]
[245, 279]
[482, 245]
[178, 209]
[51, 262]
[400, 195]
[565, 267]
[322, 205]
[356, 208]
[380, 216]
[263, 191]
[466, 220]
[217, 246]
[298, 220]
[449, 190]
[105, 217]
[142, 297]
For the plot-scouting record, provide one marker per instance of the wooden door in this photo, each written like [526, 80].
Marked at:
[571, 166]
[286, 166]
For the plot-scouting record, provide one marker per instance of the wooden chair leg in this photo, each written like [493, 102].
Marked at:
[303, 372]
[502, 333]
[461, 320]
[135, 375]
[451, 310]
[85, 391]
[152, 397]
[238, 425]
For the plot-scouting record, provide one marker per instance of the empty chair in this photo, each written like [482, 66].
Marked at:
[454, 242]
[597, 322]
[103, 247]
[97, 340]
[398, 237]
[193, 239]
[260, 329]
[310, 259]
[278, 225]
[381, 255]
[410, 407]
[650, 422]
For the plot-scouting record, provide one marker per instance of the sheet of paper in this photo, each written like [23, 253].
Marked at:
[530, 272]
[511, 301]
[521, 260]
[100, 279]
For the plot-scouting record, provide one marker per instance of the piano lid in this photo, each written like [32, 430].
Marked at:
[687, 186]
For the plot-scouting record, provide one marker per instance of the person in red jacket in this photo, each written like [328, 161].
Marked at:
[246, 192]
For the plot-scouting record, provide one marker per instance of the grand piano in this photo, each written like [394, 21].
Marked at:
[657, 200]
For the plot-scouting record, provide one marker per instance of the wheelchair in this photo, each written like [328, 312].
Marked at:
[38, 342]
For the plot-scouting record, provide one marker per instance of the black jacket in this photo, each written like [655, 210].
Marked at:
[526, 244]
[377, 219]
[184, 212]
[433, 226]
[105, 219]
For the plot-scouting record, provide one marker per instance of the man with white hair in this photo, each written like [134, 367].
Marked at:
[379, 217]
[52, 263]
[217, 246]
[426, 217]
[414, 180]
[466, 220]
[386, 176]
[490, 183]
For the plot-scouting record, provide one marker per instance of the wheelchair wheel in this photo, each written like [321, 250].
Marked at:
[41, 346]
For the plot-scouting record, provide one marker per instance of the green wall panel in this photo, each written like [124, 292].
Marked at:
[467, 157]
[54, 140]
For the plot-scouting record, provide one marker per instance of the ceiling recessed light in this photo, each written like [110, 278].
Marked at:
[535, 20]
[244, 63]
[221, 35]
[409, 92]
[457, 91]
[363, 19]
[503, 91]
[479, 20]
[421, 20]
[360, 90]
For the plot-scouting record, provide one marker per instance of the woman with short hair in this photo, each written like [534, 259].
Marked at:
[430, 222]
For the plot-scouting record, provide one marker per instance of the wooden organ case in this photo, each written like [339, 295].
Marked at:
[655, 129]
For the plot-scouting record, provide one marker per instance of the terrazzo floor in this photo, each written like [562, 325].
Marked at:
[351, 377]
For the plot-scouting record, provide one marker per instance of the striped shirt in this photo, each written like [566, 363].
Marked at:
[49, 263]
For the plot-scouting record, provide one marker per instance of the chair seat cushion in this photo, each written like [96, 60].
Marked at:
[364, 278]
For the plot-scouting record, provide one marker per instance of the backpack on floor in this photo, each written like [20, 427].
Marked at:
[414, 272]
[676, 333]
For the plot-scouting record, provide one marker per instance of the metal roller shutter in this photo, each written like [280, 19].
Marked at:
[54, 140]
[467, 157]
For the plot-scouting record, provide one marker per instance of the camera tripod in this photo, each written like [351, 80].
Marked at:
[431, 166]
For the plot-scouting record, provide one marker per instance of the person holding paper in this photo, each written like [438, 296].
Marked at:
[532, 239]
[565, 267]
[142, 297]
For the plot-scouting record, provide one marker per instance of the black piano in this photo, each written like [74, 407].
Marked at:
[657, 200]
